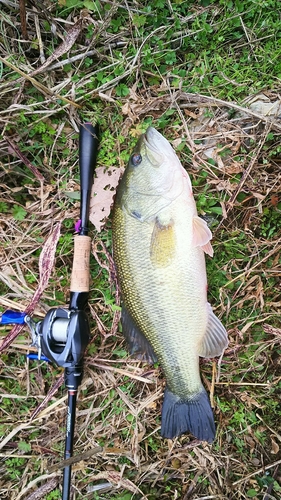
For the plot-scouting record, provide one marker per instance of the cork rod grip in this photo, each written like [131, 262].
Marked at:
[80, 276]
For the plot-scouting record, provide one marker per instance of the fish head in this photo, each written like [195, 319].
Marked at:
[154, 176]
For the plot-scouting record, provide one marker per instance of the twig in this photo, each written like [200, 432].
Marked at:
[80, 56]
[22, 8]
[40, 43]
[42, 490]
[248, 271]
[247, 36]
[243, 384]
[24, 159]
[46, 400]
[212, 389]
[122, 372]
[231, 105]
[267, 495]
[248, 170]
[258, 471]
[88, 454]
[132, 65]
[274, 432]
[42, 88]
[73, 460]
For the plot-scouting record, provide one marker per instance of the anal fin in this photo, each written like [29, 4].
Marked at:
[215, 339]
[138, 345]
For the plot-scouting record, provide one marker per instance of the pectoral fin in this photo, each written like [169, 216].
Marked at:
[137, 343]
[202, 235]
[163, 241]
[215, 339]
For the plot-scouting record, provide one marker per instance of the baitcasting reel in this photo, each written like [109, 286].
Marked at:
[62, 336]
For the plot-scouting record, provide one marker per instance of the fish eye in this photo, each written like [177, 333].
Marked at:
[136, 159]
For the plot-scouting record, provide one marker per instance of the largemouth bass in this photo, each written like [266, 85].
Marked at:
[158, 248]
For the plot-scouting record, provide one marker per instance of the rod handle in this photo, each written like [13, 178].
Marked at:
[80, 276]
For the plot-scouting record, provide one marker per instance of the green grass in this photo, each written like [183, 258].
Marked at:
[137, 64]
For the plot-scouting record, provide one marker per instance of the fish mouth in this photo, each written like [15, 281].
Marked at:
[156, 148]
[156, 143]
[152, 138]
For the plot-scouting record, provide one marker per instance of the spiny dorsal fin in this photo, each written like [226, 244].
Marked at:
[137, 343]
[215, 339]
[163, 242]
[202, 235]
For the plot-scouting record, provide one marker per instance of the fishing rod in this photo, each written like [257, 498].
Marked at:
[63, 335]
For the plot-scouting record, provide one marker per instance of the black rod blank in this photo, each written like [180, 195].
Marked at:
[70, 424]
[88, 148]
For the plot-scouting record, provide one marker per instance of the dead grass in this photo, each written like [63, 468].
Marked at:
[118, 416]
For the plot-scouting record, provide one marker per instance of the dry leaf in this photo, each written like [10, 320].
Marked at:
[103, 191]
[223, 185]
[126, 110]
[176, 142]
[274, 446]
[106, 97]
[274, 200]
[251, 401]
[64, 47]
[136, 131]
[190, 114]
[46, 262]
[176, 463]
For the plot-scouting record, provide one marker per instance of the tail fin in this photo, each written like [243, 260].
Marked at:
[192, 415]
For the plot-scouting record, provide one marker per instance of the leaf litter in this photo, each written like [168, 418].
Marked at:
[117, 410]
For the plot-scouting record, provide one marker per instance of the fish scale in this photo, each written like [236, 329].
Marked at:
[157, 298]
[158, 248]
